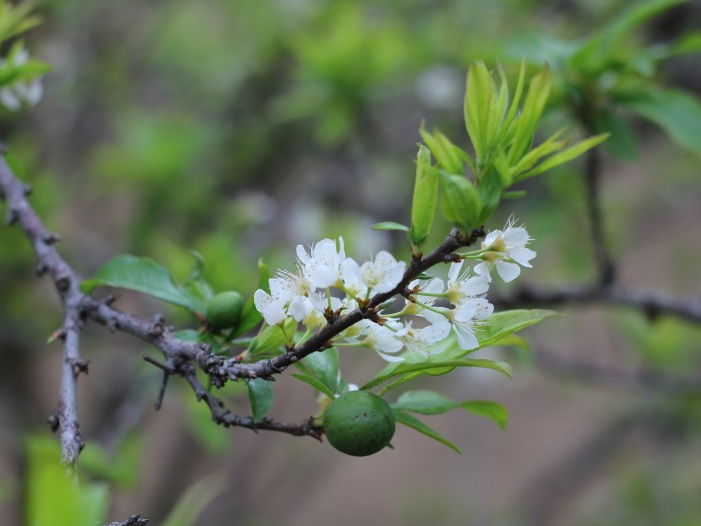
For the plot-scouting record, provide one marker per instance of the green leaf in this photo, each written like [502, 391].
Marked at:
[446, 153]
[564, 156]
[425, 402]
[622, 141]
[499, 326]
[512, 340]
[267, 344]
[433, 403]
[595, 53]
[260, 395]
[195, 500]
[196, 284]
[146, 276]
[489, 190]
[316, 384]
[478, 101]
[495, 412]
[460, 202]
[417, 425]
[324, 366]
[425, 201]
[390, 225]
[444, 366]
[676, 112]
[51, 496]
[533, 106]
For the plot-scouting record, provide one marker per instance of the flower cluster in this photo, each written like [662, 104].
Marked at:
[435, 306]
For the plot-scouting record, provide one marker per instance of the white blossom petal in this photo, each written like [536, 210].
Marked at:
[272, 310]
[508, 271]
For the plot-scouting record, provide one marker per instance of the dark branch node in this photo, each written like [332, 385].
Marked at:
[53, 422]
[133, 520]
[79, 366]
[50, 238]
[41, 269]
[12, 217]
[63, 283]
[158, 326]
[107, 301]
[26, 190]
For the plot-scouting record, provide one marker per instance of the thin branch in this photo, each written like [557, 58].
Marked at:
[134, 520]
[67, 284]
[71, 440]
[222, 416]
[651, 303]
[645, 379]
[592, 182]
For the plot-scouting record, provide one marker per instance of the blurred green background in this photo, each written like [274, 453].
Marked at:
[240, 129]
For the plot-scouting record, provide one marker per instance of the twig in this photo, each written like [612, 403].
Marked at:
[134, 520]
[606, 271]
[651, 303]
[67, 284]
[223, 416]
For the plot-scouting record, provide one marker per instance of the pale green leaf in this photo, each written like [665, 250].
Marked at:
[417, 425]
[564, 156]
[425, 200]
[316, 384]
[443, 367]
[260, 396]
[324, 366]
[146, 276]
[195, 500]
[495, 412]
[390, 225]
[478, 101]
[460, 201]
[676, 112]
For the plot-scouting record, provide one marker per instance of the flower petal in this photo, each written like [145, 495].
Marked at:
[516, 237]
[508, 271]
[271, 309]
[522, 256]
[466, 338]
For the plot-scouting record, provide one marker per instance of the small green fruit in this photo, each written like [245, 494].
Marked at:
[224, 309]
[359, 423]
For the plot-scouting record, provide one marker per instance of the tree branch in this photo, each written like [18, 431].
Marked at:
[606, 270]
[67, 284]
[134, 520]
[651, 303]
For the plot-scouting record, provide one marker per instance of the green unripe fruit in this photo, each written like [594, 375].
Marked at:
[359, 423]
[224, 309]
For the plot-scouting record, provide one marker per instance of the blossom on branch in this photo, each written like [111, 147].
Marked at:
[505, 250]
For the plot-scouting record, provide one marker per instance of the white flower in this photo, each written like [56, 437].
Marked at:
[418, 340]
[434, 286]
[321, 264]
[506, 249]
[381, 275]
[286, 286]
[464, 318]
[271, 307]
[462, 287]
[308, 310]
[382, 340]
